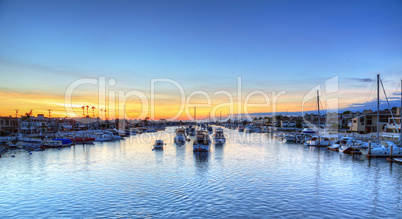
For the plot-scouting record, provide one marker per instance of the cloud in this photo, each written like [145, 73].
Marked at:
[363, 80]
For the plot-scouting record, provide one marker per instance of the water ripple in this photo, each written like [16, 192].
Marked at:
[127, 179]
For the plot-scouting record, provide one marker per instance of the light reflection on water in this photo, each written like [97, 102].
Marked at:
[238, 179]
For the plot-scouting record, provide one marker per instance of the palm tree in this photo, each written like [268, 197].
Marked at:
[83, 113]
[87, 109]
[93, 111]
[101, 113]
[28, 117]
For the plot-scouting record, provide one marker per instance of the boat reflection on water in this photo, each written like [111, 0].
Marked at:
[202, 163]
[201, 157]
[158, 156]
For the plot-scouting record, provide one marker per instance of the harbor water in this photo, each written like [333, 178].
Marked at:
[249, 176]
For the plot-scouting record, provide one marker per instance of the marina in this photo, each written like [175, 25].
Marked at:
[245, 177]
[201, 109]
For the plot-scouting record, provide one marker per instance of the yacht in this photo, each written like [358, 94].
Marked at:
[305, 135]
[351, 146]
[382, 150]
[202, 141]
[218, 136]
[103, 137]
[318, 141]
[343, 141]
[180, 136]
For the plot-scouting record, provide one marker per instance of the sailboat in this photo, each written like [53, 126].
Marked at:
[318, 140]
[382, 149]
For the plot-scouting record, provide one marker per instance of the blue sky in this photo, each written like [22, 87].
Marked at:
[272, 45]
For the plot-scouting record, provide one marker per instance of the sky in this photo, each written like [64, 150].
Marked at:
[205, 47]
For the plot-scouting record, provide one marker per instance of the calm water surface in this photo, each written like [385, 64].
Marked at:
[248, 179]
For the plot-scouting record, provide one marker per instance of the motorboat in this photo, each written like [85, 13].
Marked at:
[64, 142]
[318, 141]
[202, 141]
[308, 131]
[158, 144]
[52, 144]
[209, 128]
[31, 144]
[383, 149]
[351, 146]
[218, 136]
[103, 137]
[180, 136]
[82, 140]
[191, 131]
[248, 130]
[289, 137]
[335, 146]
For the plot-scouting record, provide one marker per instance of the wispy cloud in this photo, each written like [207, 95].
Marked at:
[363, 80]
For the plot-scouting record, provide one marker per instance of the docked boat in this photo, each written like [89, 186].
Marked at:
[340, 142]
[180, 136]
[158, 144]
[103, 137]
[209, 128]
[202, 141]
[318, 141]
[219, 137]
[64, 142]
[31, 144]
[191, 131]
[240, 129]
[82, 140]
[289, 137]
[52, 144]
[335, 146]
[382, 150]
[114, 134]
[351, 146]
[248, 130]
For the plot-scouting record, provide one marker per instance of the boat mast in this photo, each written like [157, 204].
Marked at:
[378, 107]
[318, 103]
[195, 114]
